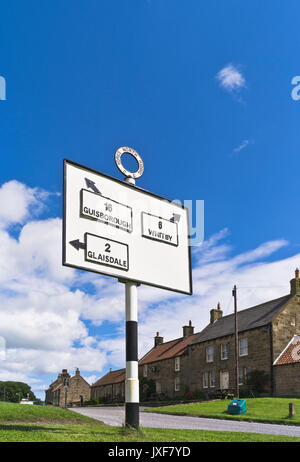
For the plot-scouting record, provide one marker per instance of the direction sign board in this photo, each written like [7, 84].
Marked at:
[117, 229]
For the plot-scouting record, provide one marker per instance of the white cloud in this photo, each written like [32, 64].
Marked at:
[18, 201]
[230, 78]
[242, 146]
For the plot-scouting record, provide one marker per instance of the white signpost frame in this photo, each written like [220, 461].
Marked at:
[124, 231]
[114, 228]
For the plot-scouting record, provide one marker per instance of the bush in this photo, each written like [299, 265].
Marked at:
[258, 381]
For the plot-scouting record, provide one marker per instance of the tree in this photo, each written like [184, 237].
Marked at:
[15, 391]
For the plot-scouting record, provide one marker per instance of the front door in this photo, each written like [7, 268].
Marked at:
[224, 380]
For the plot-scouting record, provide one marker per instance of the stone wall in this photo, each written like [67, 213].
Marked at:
[258, 358]
[163, 373]
[287, 380]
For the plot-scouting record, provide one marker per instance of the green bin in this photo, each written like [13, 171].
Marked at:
[237, 407]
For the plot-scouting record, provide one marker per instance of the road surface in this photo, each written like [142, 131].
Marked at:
[116, 416]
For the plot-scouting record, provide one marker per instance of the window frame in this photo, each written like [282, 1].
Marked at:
[212, 374]
[223, 359]
[243, 340]
[177, 383]
[145, 370]
[241, 375]
[211, 347]
[205, 375]
[177, 364]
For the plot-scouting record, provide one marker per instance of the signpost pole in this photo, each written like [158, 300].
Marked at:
[132, 378]
[132, 372]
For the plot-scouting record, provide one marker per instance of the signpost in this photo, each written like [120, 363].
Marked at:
[114, 228]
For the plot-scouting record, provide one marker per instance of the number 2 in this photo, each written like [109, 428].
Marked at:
[107, 247]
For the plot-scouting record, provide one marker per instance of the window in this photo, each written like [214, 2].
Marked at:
[205, 380]
[243, 346]
[224, 351]
[145, 371]
[177, 364]
[293, 321]
[241, 376]
[212, 379]
[247, 373]
[209, 354]
[177, 384]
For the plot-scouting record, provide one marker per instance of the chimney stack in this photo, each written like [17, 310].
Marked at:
[188, 330]
[216, 314]
[77, 371]
[295, 283]
[158, 340]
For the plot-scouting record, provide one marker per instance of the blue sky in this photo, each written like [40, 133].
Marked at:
[82, 79]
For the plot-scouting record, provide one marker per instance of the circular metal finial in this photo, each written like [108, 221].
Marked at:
[122, 150]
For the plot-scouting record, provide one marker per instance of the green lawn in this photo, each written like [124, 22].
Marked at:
[25, 423]
[271, 410]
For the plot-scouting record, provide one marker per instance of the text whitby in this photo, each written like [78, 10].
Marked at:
[160, 235]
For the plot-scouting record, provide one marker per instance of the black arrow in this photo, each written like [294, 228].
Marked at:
[91, 184]
[77, 244]
[175, 218]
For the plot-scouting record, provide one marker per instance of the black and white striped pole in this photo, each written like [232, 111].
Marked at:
[131, 305]
[132, 374]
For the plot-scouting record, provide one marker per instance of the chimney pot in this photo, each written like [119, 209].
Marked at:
[216, 313]
[158, 339]
[295, 283]
[188, 330]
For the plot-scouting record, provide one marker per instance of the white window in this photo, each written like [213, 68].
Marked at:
[243, 346]
[212, 379]
[293, 321]
[224, 351]
[145, 370]
[241, 376]
[177, 364]
[209, 354]
[205, 380]
[177, 384]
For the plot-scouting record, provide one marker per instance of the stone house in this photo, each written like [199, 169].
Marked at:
[287, 369]
[205, 361]
[110, 386]
[68, 391]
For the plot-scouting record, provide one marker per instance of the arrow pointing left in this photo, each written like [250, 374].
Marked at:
[77, 244]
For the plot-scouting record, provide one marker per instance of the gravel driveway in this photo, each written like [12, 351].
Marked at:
[116, 416]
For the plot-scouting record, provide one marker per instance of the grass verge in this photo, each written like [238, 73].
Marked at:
[267, 410]
[24, 423]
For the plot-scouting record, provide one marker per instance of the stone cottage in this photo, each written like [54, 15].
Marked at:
[68, 391]
[287, 369]
[111, 386]
[205, 361]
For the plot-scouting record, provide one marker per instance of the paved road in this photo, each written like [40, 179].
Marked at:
[116, 416]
